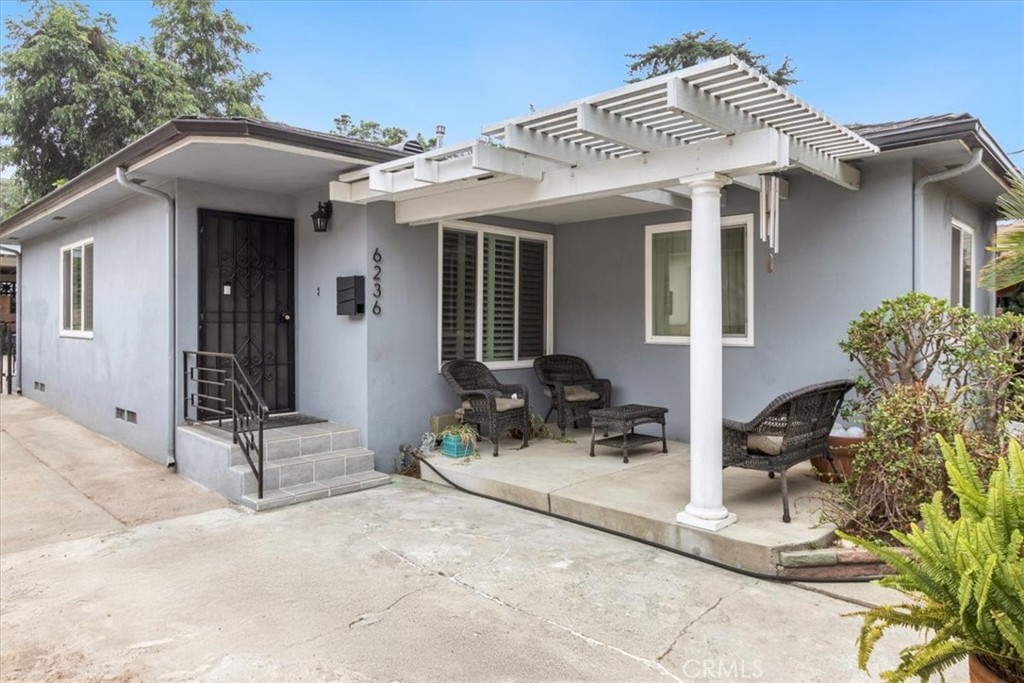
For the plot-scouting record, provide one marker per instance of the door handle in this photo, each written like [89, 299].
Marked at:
[286, 317]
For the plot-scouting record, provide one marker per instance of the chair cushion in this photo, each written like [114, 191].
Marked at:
[764, 443]
[575, 392]
[502, 404]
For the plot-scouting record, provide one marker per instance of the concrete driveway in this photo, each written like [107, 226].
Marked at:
[409, 582]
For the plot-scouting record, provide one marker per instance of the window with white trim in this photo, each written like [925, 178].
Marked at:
[76, 289]
[495, 295]
[961, 287]
[667, 282]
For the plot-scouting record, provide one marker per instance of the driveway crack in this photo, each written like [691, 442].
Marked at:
[371, 618]
[687, 628]
[649, 663]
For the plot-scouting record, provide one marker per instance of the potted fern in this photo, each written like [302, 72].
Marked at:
[965, 577]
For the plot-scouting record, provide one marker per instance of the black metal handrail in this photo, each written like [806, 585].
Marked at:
[205, 388]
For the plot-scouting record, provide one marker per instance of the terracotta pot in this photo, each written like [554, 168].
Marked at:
[843, 450]
[980, 673]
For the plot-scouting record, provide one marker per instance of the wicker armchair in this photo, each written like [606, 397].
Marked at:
[793, 428]
[485, 401]
[572, 388]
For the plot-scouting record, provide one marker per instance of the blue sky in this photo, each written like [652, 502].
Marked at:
[467, 64]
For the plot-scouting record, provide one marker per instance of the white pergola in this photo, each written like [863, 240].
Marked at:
[682, 135]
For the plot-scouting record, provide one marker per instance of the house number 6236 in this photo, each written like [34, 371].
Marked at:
[377, 258]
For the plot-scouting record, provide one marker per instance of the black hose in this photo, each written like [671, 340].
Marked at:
[692, 556]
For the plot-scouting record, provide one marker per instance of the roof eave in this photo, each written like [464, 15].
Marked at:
[180, 128]
[961, 129]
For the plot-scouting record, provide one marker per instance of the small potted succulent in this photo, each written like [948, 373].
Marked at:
[458, 440]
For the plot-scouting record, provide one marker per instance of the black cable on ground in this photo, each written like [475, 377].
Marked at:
[692, 556]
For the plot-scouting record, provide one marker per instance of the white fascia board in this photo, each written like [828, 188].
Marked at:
[608, 126]
[494, 159]
[758, 151]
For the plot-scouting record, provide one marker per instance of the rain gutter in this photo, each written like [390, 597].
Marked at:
[917, 265]
[172, 305]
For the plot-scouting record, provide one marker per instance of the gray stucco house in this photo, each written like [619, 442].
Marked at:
[566, 230]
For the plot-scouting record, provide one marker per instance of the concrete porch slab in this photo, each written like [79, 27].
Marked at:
[641, 499]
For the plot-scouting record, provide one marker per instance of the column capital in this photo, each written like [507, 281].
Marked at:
[706, 180]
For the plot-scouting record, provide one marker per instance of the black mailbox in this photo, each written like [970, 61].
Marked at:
[352, 295]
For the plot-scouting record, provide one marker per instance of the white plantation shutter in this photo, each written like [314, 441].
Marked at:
[532, 313]
[458, 295]
[499, 297]
[494, 293]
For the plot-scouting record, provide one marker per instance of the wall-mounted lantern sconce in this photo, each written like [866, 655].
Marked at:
[322, 216]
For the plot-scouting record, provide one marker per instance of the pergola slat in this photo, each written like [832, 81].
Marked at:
[691, 107]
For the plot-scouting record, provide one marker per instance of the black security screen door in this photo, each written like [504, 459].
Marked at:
[246, 298]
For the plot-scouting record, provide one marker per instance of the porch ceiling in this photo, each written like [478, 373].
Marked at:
[717, 117]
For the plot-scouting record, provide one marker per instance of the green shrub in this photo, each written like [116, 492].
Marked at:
[965, 576]
[898, 466]
[975, 362]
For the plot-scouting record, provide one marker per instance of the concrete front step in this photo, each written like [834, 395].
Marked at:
[279, 474]
[297, 463]
[326, 488]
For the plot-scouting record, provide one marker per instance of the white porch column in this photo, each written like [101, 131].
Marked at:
[705, 509]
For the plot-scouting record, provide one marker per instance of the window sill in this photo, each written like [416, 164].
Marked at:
[745, 342]
[76, 335]
[500, 365]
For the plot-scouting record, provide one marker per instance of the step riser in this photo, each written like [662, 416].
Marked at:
[289, 473]
[281, 497]
[313, 461]
[283, 449]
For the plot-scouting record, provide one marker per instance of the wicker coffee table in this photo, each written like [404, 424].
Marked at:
[624, 419]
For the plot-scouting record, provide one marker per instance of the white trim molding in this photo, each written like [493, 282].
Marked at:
[747, 222]
[964, 228]
[549, 289]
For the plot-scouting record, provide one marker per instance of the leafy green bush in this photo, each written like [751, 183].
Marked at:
[909, 340]
[965, 576]
[927, 368]
[898, 466]
[974, 361]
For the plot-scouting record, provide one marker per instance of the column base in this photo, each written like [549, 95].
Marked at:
[686, 519]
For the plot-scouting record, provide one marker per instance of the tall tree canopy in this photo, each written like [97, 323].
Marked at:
[73, 94]
[696, 47]
[375, 132]
[209, 47]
